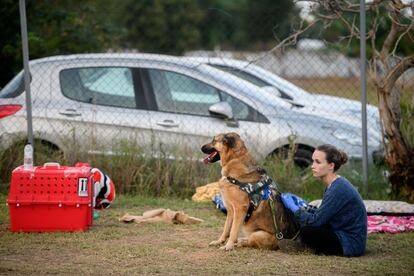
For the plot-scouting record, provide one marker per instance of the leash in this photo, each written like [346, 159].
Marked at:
[279, 235]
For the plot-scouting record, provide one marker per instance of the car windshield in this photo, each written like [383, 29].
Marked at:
[245, 88]
[281, 83]
[247, 76]
[14, 88]
[243, 75]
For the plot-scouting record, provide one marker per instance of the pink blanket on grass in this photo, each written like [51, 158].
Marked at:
[390, 224]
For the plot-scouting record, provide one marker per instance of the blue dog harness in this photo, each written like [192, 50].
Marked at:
[264, 189]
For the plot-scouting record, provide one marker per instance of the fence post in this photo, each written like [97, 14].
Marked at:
[362, 31]
[25, 49]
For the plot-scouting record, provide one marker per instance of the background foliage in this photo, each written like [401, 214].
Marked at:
[159, 26]
[336, 31]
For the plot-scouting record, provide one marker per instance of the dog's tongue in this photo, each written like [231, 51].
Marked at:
[209, 157]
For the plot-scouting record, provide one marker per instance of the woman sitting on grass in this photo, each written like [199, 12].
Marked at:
[339, 225]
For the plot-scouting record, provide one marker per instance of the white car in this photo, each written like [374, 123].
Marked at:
[312, 103]
[166, 106]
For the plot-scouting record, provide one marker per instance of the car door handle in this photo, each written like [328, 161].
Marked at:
[167, 123]
[70, 113]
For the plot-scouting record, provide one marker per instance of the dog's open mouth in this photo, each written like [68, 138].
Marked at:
[212, 154]
[212, 157]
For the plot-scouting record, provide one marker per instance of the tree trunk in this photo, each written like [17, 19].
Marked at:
[398, 154]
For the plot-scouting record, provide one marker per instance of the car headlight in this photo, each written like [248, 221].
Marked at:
[349, 136]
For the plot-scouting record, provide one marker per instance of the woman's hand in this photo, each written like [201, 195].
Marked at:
[292, 202]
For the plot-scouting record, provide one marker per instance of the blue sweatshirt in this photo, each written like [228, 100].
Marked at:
[342, 210]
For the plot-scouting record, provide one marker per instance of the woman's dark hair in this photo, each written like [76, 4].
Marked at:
[333, 155]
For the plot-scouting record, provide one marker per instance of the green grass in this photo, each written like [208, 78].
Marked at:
[166, 178]
[130, 172]
[113, 247]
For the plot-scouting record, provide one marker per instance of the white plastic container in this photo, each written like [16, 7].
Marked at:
[28, 157]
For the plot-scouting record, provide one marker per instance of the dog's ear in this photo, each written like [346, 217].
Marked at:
[229, 140]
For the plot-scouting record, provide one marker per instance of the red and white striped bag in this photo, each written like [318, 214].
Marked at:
[104, 189]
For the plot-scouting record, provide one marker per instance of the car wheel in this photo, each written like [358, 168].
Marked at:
[302, 157]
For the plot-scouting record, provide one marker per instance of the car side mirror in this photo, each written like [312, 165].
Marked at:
[221, 110]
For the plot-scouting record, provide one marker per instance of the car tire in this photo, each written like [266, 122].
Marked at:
[302, 157]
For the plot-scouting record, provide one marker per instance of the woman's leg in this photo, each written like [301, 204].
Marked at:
[322, 240]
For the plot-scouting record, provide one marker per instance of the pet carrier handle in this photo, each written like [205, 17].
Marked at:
[51, 164]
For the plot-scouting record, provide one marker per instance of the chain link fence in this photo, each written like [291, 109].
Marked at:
[172, 105]
[169, 106]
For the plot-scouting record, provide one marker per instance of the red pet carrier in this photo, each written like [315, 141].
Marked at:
[51, 198]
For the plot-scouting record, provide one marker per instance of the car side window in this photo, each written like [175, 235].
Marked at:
[110, 86]
[241, 111]
[182, 94]
[179, 93]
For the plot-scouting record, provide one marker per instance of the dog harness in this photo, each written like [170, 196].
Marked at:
[264, 189]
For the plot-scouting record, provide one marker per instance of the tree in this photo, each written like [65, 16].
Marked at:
[337, 30]
[162, 26]
[266, 21]
[10, 50]
[389, 60]
[54, 27]
[220, 24]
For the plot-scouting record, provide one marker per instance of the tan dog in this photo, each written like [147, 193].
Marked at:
[237, 163]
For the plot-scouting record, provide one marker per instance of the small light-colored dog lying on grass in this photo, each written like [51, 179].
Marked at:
[161, 215]
[238, 166]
